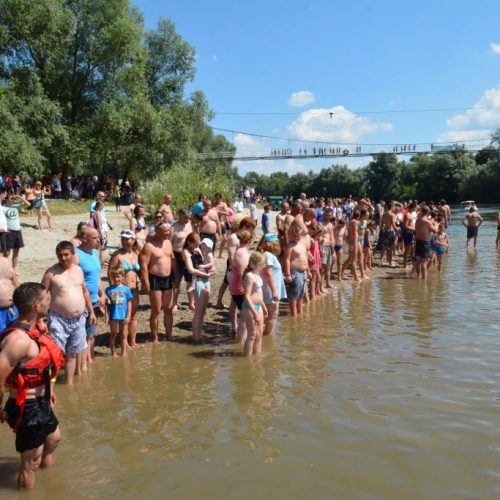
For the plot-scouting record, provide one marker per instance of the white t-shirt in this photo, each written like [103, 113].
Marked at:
[253, 211]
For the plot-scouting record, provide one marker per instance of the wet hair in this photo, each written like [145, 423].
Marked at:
[248, 223]
[65, 245]
[191, 239]
[245, 237]
[425, 210]
[256, 261]
[26, 295]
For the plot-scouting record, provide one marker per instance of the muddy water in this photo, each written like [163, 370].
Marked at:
[387, 389]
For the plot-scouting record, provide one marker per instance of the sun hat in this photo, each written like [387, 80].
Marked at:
[127, 233]
[207, 242]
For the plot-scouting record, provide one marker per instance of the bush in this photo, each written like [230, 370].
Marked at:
[185, 183]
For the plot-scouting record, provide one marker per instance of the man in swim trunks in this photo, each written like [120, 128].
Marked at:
[8, 282]
[280, 222]
[37, 433]
[210, 225]
[474, 220]
[178, 234]
[387, 236]
[223, 213]
[445, 212]
[424, 227]
[296, 267]
[69, 297]
[407, 232]
[158, 267]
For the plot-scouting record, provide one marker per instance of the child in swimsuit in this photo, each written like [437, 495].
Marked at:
[338, 236]
[368, 246]
[253, 308]
[441, 245]
[316, 234]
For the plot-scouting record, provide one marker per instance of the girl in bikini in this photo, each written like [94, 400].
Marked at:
[253, 309]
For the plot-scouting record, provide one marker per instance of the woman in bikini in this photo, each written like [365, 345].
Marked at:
[194, 261]
[338, 236]
[127, 257]
[138, 225]
[39, 203]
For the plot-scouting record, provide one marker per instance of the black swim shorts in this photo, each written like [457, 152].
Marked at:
[422, 249]
[37, 423]
[14, 239]
[471, 232]
[238, 300]
[160, 283]
[3, 242]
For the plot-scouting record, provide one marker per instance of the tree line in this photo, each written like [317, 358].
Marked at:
[86, 89]
[454, 175]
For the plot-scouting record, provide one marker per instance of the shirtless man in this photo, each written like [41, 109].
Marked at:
[223, 213]
[280, 222]
[387, 234]
[166, 209]
[445, 212]
[178, 234]
[424, 227]
[327, 248]
[158, 266]
[295, 267]
[474, 220]
[68, 298]
[210, 225]
[8, 282]
[34, 423]
[296, 215]
[407, 232]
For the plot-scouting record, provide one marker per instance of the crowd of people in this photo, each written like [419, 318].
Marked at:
[54, 323]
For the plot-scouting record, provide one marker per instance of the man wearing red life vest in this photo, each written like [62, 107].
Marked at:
[29, 360]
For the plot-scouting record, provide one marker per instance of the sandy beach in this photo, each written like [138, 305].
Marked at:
[39, 254]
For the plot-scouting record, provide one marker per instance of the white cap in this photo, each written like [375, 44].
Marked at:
[208, 242]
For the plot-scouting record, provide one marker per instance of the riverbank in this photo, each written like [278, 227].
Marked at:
[39, 254]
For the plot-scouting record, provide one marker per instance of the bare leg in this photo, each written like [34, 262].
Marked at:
[30, 463]
[49, 449]
[168, 319]
[293, 307]
[122, 330]
[113, 326]
[251, 332]
[70, 368]
[199, 314]
[15, 258]
[233, 316]
[155, 301]
[132, 326]
[220, 295]
[270, 320]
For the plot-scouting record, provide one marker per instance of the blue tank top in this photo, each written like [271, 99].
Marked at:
[91, 267]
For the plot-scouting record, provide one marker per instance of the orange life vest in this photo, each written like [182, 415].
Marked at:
[37, 371]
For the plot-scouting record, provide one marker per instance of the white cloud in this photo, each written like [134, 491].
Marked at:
[301, 98]
[484, 113]
[495, 48]
[336, 124]
[463, 135]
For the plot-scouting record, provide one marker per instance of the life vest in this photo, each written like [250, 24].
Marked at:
[37, 371]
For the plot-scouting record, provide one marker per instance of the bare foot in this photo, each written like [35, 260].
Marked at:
[192, 307]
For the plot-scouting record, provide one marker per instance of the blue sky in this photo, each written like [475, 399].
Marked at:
[303, 60]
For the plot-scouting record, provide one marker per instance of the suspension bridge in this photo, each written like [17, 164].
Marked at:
[349, 151]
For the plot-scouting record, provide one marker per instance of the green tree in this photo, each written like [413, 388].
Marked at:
[382, 176]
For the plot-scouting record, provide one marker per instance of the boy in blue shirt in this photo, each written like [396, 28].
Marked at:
[119, 310]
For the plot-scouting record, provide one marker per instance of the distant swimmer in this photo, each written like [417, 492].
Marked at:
[472, 221]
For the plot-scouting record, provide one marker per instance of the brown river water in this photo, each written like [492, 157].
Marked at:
[386, 389]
